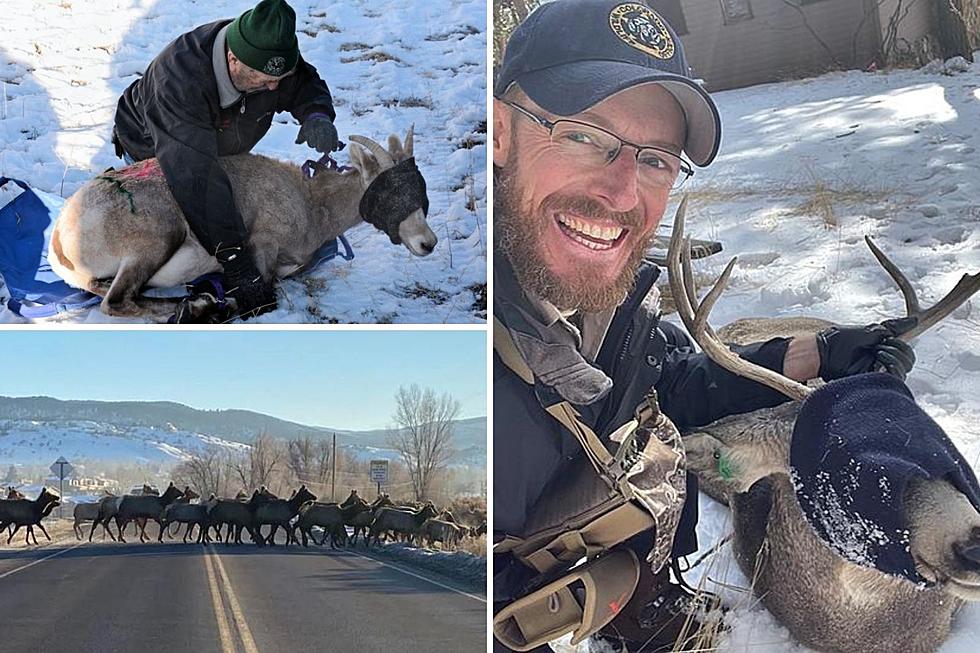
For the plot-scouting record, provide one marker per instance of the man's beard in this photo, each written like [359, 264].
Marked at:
[519, 237]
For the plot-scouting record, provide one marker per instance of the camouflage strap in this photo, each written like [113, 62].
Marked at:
[659, 479]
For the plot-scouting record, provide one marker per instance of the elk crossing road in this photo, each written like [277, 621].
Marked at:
[118, 598]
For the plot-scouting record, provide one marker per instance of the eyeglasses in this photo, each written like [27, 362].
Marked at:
[594, 147]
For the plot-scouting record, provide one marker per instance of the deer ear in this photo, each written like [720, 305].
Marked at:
[395, 148]
[365, 162]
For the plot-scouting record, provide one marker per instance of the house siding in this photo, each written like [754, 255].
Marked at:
[775, 44]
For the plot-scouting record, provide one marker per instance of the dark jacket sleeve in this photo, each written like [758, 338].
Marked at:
[186, 145]
[695, 391]
[303, 93]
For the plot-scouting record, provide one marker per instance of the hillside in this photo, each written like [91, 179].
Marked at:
[36, 429]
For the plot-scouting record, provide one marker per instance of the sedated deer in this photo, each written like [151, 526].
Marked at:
[123, 231]
[830, 601]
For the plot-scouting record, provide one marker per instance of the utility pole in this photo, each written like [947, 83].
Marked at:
[333, 474]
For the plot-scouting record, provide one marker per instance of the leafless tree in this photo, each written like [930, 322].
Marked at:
[204, 471]
[309, 460]
[424, 433]
[259, 464]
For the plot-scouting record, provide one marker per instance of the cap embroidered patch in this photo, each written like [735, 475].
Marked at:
[640, 28]
[275, 66]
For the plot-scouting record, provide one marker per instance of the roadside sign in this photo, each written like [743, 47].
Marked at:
[61, 468]
[379, 472]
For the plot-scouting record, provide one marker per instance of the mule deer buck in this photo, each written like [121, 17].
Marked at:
[828, 598]
[123, 231]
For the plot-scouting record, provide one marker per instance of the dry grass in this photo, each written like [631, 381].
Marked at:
[475, 545]
[470, 510]
[377, 57]
[409, 102]
[840, 194]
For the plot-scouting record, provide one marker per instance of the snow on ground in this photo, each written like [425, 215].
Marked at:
[26, 442]
[807, 169]
[463, 567]
[388, 64]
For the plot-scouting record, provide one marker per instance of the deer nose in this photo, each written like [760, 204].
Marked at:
[427, 246]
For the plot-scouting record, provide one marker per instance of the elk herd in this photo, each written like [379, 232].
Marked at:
[224, 519]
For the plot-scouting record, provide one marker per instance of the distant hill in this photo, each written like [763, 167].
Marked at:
[148, 420]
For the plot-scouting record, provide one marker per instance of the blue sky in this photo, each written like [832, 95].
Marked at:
[340, 379]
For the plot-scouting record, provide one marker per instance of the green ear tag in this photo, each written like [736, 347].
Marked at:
[725, 467]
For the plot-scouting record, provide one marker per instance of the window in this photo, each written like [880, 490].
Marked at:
[671, 10]
[735, 11]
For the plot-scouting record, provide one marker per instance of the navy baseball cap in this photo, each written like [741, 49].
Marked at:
[569, 55]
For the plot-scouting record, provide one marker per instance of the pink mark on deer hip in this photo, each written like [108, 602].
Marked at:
[146, 169]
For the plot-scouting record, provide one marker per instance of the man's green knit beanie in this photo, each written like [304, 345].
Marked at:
[264, 38]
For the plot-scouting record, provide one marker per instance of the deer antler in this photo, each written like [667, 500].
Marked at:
[381, 154]
[696, 319]
[964, 289]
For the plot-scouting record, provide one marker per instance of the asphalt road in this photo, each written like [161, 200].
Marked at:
[145, 598]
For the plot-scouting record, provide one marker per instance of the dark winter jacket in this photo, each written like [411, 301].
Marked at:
[531, 448]
[174, 113]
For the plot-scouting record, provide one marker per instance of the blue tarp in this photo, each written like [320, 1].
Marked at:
[35, 290]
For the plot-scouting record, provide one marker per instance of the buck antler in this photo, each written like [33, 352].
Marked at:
[696, 319]
[694, 315]
[962, 291]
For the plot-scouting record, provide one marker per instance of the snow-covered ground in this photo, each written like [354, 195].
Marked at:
[807, 169]
[25, 442]
[466, 568]
[389, 65]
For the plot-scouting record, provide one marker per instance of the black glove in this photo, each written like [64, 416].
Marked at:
[846, 350]
[253, 295]
[318, 131]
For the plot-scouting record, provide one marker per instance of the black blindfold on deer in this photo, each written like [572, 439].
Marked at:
[393, 196]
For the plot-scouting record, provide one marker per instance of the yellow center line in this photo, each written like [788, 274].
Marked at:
[224, 630]
[236, 609]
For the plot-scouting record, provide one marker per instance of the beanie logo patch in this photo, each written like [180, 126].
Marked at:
[275, 66]
[639, 27]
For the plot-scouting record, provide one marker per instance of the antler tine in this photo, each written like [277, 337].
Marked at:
[965, 288]
[696, 320]
[683, 299]
[908, 292]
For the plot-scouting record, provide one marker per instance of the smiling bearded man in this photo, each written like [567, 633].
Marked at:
[580, 245]
[596, 117]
